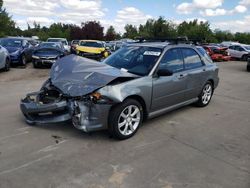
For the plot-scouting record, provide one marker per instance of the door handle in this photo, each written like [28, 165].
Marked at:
[181, 76]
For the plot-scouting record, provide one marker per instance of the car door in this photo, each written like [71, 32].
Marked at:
[197, 73]
[239, 51]
[169, 90]
[231, 51]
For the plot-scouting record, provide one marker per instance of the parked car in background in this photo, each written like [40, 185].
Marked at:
[217, 53]
[116, 45]
[92, 49]
[47, 53]
[4, 59]
[62, 40]
[240, 51]
[73, 45]
[19, 48]
[139, 81]
[228, 43]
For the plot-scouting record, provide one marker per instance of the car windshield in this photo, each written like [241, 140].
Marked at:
[91, 44]
[64, 42]
[50, 45]
[11, 42]
[247, 47]
[135, 59]
[75, 42]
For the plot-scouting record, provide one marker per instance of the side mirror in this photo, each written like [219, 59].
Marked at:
[164, 72]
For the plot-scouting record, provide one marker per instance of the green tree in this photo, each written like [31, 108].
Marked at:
[159, 28]
[130, 31]
[7, 25]
[110, 34]
[196, 30]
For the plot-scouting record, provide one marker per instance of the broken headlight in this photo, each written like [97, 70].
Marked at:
[98, 98]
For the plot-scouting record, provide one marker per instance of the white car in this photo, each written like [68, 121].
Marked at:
[228, 43]
[4, 59]
[62, 40]
[239, 51]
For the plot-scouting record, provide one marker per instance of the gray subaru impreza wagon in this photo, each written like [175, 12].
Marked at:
[139, 81]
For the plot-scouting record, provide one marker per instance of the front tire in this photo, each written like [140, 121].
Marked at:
[7, 65]
[205, 95]
[125, 119]
[35, 65]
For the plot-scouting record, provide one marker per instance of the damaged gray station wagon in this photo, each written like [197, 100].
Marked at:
[140, 81]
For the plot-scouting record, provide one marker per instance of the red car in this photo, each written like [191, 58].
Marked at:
[218, 53]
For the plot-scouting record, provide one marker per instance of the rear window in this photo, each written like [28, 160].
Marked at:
[191, 58]
[204, 54]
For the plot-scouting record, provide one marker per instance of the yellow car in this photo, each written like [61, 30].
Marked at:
[92, 49]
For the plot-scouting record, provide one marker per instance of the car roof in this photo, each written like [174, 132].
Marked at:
[15, 38]
[90, 40]
[57, 38]
[160, 45]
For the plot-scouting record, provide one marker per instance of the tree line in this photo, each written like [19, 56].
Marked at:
[153, 28]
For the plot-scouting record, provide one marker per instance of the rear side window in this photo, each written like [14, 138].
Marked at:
[231, 47]
[191, 58]
[204, 54]
[172, 61]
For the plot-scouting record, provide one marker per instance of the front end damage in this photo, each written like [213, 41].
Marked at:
[71, 94]
[48, 106]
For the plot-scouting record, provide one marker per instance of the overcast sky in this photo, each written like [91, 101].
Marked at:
[224, 14]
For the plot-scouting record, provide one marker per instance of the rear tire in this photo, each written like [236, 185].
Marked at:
[205, 95]
[7, 65]
[125, 119]
[23, 60]
[244, 58]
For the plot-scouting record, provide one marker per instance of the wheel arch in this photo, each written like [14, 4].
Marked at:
[212, 82]
[142, 102]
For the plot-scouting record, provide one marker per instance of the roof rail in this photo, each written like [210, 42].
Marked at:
[178, 40]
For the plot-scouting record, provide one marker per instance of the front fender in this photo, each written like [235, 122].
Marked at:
[141, 87]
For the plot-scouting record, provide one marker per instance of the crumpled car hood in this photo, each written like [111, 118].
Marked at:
[78, 76]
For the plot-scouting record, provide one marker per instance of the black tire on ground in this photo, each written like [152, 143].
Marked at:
[116, 115]
[248, 68]
[205, 95]
[23, 60]
[244, 58]
[7, 65]
[35, 65]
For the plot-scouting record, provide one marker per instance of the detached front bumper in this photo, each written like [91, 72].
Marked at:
[85, 115]
[37, 113]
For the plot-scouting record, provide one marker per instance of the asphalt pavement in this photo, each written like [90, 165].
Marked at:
[190, 147]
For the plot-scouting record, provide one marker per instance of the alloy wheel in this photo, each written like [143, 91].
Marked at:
[206, 94]
[129, 120]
